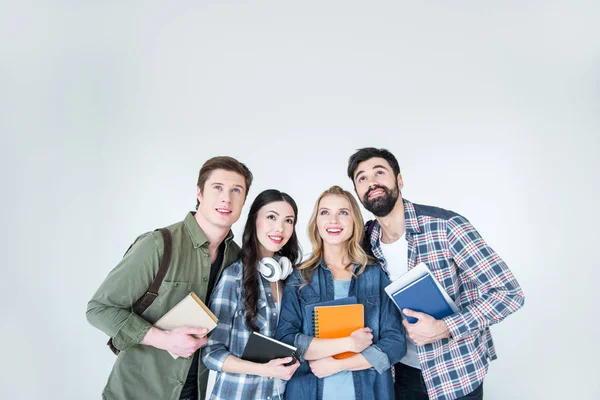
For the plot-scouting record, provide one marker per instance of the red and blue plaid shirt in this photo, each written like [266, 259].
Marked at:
[478, 281]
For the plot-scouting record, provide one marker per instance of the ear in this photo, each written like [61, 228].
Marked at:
[400, 181]
[199, 194]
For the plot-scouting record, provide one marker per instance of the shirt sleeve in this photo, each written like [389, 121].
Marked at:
[391, 346]
[499, 292]
[291, 319]
[110, 309]
[224, 304]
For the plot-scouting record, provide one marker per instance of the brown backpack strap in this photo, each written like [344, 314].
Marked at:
[152, 293]
[148, 298]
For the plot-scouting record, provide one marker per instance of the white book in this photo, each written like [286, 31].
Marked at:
[189, 312]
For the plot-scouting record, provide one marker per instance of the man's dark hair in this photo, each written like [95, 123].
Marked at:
[367, 153]
[227, 164]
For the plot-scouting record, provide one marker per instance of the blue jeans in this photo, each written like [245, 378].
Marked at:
[409, 385]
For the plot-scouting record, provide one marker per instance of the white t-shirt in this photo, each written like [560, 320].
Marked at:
[396, 265]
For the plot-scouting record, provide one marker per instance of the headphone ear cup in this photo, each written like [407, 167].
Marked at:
[270, 269]
[286, 267]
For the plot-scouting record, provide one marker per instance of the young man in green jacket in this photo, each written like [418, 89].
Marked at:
[202, 244]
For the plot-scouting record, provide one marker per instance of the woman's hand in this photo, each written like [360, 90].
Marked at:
[360, 339]
[325, 367]
[276, 368]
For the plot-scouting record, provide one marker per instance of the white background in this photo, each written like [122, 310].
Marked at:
[108, 110]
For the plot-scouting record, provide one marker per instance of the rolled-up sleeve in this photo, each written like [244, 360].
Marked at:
[110, 308]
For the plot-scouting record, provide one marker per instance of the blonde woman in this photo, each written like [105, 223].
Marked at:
[338, 268]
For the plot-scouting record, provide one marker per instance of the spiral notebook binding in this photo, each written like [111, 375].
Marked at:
[316, 322]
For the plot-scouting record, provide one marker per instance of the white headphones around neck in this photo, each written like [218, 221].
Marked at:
[275, 270]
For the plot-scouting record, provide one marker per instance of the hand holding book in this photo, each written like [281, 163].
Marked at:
[426, 330]
[179, 342]
[360, 339]
[182, 330]
[279, 368]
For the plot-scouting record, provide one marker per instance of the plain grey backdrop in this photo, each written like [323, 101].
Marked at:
[110, 108]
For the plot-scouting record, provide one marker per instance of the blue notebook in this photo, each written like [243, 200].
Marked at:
[424, 296]
[310, 308]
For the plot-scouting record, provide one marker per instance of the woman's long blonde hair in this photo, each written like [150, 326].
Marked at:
[355, 250]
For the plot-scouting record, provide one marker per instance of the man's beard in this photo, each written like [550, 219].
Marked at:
[382, 205]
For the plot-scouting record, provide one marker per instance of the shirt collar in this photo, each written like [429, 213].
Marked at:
[323, 265]
[196, 233]
[411, 225]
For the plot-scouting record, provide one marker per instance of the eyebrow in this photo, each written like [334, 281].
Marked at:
[341, 209]
[222, 184]
[374, 167]
[276, 213]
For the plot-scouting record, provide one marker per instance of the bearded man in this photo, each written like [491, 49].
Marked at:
[448, 358]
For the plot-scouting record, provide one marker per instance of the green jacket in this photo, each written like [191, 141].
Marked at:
[144, 372]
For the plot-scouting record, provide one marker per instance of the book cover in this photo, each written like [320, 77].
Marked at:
[310, 308]
[422, 295]
[332, 322]
[189, 312]
[262, 349]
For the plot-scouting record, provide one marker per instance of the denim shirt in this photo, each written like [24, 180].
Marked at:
[389, 343]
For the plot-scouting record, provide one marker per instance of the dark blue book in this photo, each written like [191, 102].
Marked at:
[424, 296]
[310, 308]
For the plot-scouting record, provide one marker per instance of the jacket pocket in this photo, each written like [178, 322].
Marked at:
[169, 294]
[372, 314]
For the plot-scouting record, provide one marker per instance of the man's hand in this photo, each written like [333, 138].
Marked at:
[426, 330]
[182, 342]
[325, 367]
[276, 369]
[360, 339]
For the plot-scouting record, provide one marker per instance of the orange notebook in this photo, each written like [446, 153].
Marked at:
[332, 322]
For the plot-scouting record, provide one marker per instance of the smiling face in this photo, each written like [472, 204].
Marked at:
[334, 219]
[221, 199]
[376, 186]
[274, 227]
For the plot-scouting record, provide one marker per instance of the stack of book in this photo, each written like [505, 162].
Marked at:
[418, 290]
[336, 319]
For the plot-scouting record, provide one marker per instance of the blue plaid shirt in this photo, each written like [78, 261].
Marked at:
[475, 277]
[231, 335]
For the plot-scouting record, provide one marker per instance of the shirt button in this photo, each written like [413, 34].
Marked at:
[205, 279]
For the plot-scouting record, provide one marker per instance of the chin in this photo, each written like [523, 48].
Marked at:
[335, 241]
[223, 224]
[271, 247]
